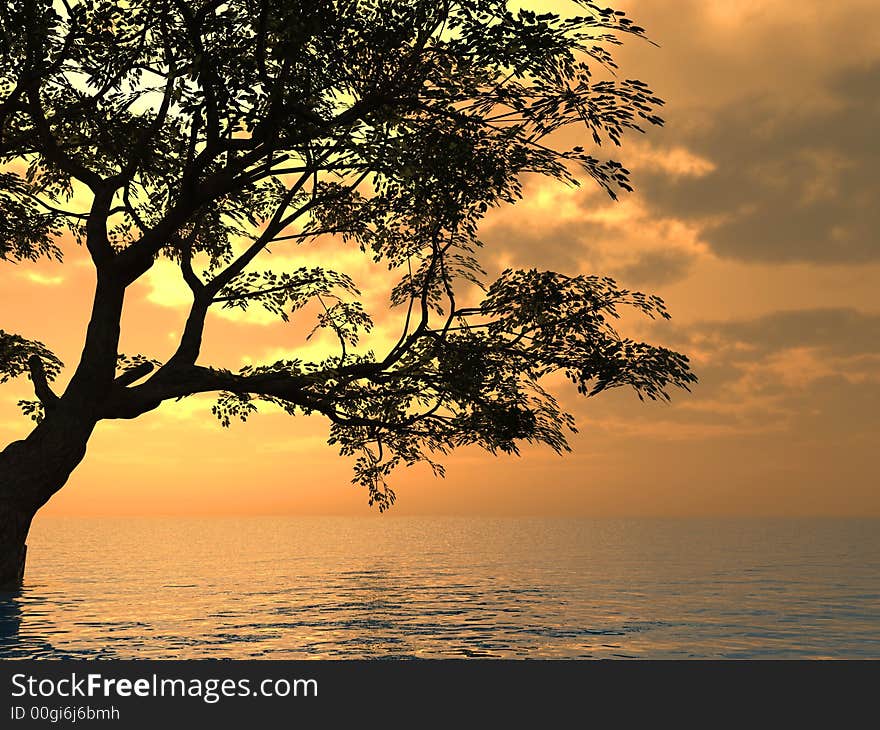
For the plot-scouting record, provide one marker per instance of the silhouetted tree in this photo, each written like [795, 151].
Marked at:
[393, 125]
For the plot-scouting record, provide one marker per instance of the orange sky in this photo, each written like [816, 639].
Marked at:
[755, 218]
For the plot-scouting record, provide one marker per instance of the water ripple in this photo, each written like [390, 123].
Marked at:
[416, 588]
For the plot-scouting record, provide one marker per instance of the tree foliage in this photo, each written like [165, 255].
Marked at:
[210, 132]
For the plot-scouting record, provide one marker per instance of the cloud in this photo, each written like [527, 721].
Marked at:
[787, 186]
[714, 51]
[780, 99]
[801, 369]
[839, 332]
[790, 376]
[657, 267]
[592, 234]
[675, 162]
[43, 279]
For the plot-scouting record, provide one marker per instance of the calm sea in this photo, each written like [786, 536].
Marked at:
[446, 587]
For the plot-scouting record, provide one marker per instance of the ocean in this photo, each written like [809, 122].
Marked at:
[436, 587]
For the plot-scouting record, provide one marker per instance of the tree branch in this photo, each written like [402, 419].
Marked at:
[97, 241]
[53, 151]
[41, 383]
[132, 375]
[142, 145]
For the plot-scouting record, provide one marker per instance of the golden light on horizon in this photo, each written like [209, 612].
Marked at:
[752, 218]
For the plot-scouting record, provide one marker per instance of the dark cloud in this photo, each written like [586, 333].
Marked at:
[838, 332]
[749, 391]
[586, 247]
[843, 341]
[656, 267]
[560, 247]
[782, 97]
[788, 185]
[837, 407]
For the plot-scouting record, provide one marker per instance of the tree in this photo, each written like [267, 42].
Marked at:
[392, 125]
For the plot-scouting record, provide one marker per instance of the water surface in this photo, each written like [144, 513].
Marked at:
[379, 587]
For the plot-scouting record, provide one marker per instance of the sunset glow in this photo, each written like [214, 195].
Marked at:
[754, 217]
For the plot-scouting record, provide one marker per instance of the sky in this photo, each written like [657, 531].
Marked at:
[754, 217]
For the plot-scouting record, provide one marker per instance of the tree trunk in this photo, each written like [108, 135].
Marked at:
[14, 526]
[31, 471]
